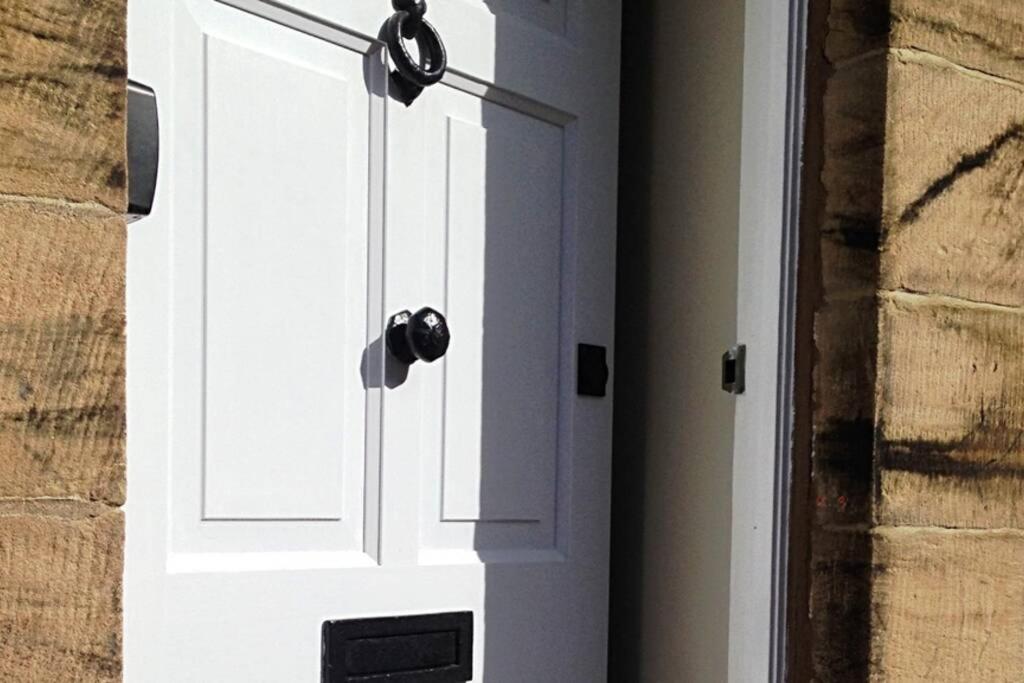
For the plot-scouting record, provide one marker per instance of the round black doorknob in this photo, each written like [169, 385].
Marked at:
[422, 335]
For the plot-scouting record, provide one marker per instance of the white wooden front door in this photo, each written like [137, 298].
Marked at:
[284, 470]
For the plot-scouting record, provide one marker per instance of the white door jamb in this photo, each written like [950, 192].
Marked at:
[773, 108]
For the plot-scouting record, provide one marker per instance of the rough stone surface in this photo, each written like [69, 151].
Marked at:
[840, 604]
[844, 411]
[62, 345]
[950, 426]
[946, 606]
[854, 112]
[60, 593]
[856, 28]
[983, 35]
[953, 211]
[917, 442]
[62, 339]
[62, 100]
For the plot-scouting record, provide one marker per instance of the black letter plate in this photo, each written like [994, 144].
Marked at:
[429, 648]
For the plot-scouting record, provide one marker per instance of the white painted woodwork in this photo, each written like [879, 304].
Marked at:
[283, 471]
[278, 318]
[766, 307]
[493, 425]
[503, 294]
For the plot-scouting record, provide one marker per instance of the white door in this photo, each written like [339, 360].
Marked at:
[285, 470]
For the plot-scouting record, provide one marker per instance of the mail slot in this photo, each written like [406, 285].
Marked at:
[427, 648]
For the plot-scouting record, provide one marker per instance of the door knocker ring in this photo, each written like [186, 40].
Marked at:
[410, 76]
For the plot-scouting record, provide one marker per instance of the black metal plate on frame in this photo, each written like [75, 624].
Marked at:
[428, 648]
[592, 370]
[143, 149]
[734, 370]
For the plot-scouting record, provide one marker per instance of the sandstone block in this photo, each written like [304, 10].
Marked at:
[60, 593]
[950, 414]
[62, 350]
[62, 100]
[946, 606]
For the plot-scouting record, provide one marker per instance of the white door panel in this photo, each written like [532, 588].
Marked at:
[491, 432]
[280, 320]
[269, 295]
[284, 469]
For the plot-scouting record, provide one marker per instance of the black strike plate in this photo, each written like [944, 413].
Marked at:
[591, 370]
[734, 370]
[428, 648]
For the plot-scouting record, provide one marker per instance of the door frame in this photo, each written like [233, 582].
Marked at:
[770, 166]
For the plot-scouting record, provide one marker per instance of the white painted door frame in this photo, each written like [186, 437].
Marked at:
[772, 125]
[773, 106]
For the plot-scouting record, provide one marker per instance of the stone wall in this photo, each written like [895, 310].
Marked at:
[62, 343]
[913, 289]
[915, 568]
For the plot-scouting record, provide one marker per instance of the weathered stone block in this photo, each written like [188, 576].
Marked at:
[856, 27]
[842, 573]
[954, 173]
[62, 100]
[950, 414]
[60, 593]
[946, 606]
[844, 392]
[936, 115]
[986, 35]
[983, 35]
[854, 140]
[62, 350]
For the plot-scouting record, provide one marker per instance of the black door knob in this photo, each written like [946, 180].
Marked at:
[422, 335]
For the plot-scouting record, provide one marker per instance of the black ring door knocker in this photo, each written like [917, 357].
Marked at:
[410, 76]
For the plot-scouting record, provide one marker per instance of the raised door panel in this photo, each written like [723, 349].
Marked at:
[275, 239]
[276, 264]
[495, 456]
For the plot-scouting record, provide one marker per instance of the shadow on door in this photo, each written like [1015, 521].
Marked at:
[544, 549]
